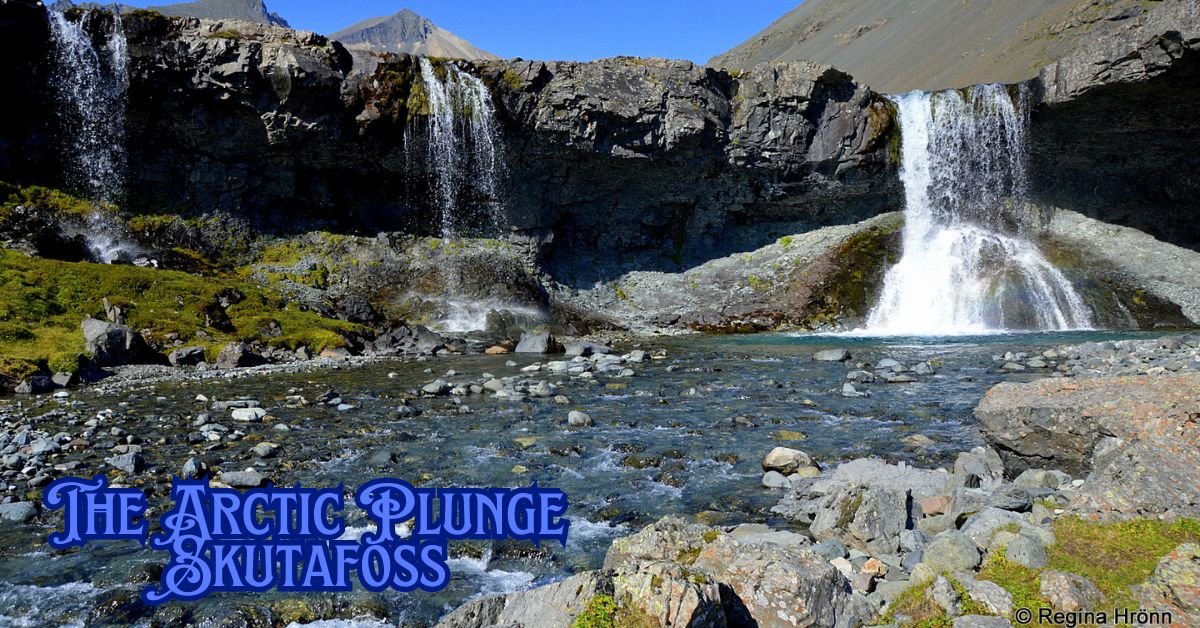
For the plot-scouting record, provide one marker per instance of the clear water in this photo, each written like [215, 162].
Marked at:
[966, 268]
[709, 462]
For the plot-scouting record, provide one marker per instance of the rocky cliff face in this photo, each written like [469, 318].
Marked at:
[604, 159]
[1116, 137]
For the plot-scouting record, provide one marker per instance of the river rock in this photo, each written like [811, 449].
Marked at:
[832, 355]
[786, 461]
[543, 343]
[248, 415]
[129, 463]
[868, 518]
[243, 479]
[18, 512]
[576, 418]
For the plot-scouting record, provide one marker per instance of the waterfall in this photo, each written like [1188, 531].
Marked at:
[91, 83]
[965, 269]
[462, 149]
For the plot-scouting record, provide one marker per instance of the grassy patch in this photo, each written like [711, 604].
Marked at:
[1114, 556]
[916, 604]
[599, 612]
[43, 301]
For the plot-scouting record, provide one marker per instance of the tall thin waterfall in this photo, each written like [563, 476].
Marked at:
[462, 149]
[91, 84]
[964, 269]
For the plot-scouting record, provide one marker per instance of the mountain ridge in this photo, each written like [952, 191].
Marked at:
[406, 32]
[904, 45]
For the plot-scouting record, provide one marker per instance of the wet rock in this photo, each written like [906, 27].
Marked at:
[248, 415]
[1069, 592]
[786, 461]
[951, 551]
[129, 463]
[436, 387]
[774, 479]
[243, 479]
[186, 356]
[18, 512]
[832, 355]
[194, 469]
[1174, 585]
[543, 343]
[579, 419]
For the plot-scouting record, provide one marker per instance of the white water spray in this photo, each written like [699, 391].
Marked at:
[462, 155]
[963, 269]
[91, 84]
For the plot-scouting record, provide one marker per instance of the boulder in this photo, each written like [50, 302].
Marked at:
[1136, 436]
[555, 604]
[18, 512]
[951, 551]
[670, 594]
[867, 518]
[1069, 592]
[832, 355]
[111, 344]
[129, 463]
[238, 355]
[786, 461]
[1174, 586]
[777, 586]
[186, 356]
[543, 343]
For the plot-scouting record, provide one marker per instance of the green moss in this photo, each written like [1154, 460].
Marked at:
[916, 604]
[849, 510]
[227, 33]
[513, 80]
[858, 267]
[46, 198]
[756, 283]
[688, 556]
[1116, 556]
[711, 535]
[43, 301]
[1022, 582]
[786, 242]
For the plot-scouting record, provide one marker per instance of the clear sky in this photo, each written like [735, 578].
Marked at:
[561, 29]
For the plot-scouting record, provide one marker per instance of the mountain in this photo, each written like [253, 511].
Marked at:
[248, 10]
[407, 32]
[901, 45]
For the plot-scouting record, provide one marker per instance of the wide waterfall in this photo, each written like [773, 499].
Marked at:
[91, 83]
[966, 268]
[462, 156]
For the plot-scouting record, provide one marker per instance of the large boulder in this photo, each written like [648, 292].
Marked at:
[111, 344]
[1137, 436]
[549, 606]
[867, 518]
[238, 355]
[539, 343]
[1175, 586]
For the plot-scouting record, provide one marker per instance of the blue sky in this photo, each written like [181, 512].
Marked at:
[562, 29]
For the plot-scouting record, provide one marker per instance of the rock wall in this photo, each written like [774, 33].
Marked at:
[607, 158]
[1115, 135]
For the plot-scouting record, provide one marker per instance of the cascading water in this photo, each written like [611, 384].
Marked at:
[461, 159]
[91, 84]
[462, 156]
[964, 270]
